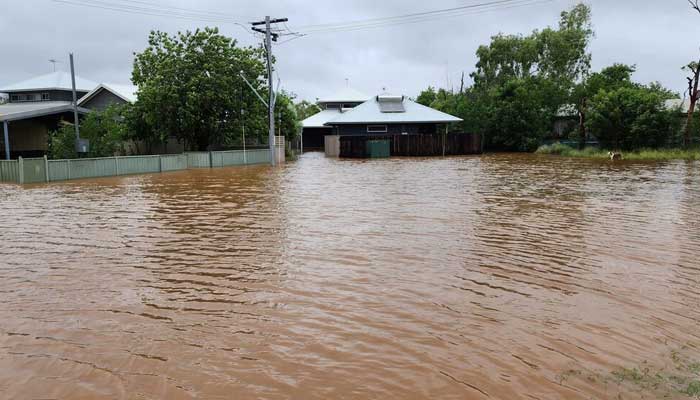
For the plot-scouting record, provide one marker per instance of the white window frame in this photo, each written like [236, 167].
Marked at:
[377, 129]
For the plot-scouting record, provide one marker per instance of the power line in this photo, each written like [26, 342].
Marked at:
[422, 17]
[150, 11]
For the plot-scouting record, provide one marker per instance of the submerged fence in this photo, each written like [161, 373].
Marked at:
[35, 170]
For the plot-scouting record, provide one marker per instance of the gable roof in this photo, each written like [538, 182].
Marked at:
[369, 112]
[124, 92]
[58, 80]
[345, 95]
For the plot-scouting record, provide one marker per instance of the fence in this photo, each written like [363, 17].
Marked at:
[34, 170]
[425, 145]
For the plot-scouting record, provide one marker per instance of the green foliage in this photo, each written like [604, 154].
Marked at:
[520, 83]
[637, 155]
[305, 109]
[289, 123]
[105, 130]
[190, 87]
[633, 117]
[427, 97]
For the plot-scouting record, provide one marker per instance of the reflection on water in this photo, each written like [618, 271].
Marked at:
[470, 277]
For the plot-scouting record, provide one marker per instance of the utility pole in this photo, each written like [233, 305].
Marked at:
[76, 122]
[269, 38]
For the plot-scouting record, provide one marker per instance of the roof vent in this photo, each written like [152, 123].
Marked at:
[390, 104]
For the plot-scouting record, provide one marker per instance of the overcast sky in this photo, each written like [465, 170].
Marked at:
[659, 36]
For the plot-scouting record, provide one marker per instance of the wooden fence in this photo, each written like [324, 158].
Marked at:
[415, 145]
[35, 170]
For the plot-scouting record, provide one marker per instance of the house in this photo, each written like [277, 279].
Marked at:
[385, 125]
[38, 106]
[314, 128]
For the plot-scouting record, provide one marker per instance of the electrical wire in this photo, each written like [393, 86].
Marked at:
[485, 7]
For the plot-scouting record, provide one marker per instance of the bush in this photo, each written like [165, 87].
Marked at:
[105, 130]
[632, 118]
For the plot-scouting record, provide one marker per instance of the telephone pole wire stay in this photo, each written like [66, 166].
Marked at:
[269, 38]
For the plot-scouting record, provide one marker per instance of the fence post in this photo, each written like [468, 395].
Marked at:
[211, 161]
[68, 168]
[160, 163]
[116, 166]
[20, 172]
[46, 168]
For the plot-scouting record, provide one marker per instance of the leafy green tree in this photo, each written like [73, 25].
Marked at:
[610, 78]
[305, 109]
[427, 97]
[105, 130]
[633, 117]
[287, 118]
[190, 87]
[537, 72]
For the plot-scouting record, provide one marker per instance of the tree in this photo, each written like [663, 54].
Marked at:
[305, 109]
[190, 87]
[105, 130]
[537, 72]
[287, 117]
[632, 117]
[610, 78]
[693, 96]
[427, 97]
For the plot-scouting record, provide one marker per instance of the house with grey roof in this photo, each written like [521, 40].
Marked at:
[39, 105]
[383, 116]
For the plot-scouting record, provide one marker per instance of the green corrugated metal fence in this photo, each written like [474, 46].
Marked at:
[34, 170]
[9, 171]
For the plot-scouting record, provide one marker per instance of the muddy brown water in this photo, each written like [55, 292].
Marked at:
[457, 278]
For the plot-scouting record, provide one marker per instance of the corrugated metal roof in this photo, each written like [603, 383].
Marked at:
[370, 113]
[345, 95]
[58, 80]
[18, 111]
[319, 119]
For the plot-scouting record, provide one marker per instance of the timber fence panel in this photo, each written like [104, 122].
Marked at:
[9, 171]
[198, 160]
[174, 162]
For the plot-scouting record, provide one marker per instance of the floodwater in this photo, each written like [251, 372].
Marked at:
[502, 276]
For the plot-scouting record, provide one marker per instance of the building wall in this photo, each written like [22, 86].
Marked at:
[54, 95]
[102, 100]
[392, 129]
[28, 135]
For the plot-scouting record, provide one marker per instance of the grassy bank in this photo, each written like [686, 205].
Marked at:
[642, 154]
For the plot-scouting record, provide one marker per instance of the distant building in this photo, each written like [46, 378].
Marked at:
[39, 105]
[315, 128]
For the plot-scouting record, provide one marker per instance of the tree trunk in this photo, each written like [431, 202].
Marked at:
[693, 93]
[582, 125]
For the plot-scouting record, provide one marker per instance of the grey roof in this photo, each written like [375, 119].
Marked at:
[369, 113]
[345, 95]
[126, 93]
[58, 80]
[19, 111]
[319, 119]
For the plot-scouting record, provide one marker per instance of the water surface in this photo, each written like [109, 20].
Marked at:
[502, 276]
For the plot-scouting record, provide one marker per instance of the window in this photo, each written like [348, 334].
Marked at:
[45, 97]
[332, 106]
[377, 129]
[14, 97]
